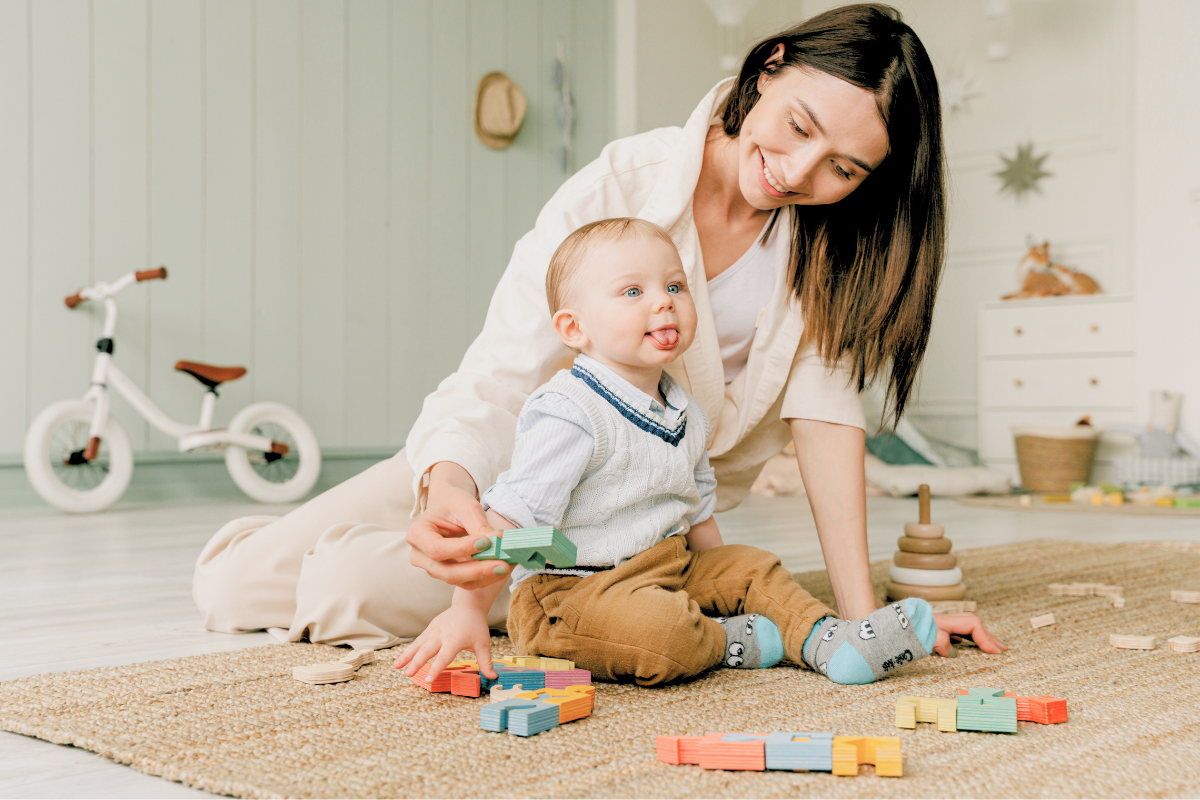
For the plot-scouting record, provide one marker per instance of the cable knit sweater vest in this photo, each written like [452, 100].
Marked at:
[640, 484]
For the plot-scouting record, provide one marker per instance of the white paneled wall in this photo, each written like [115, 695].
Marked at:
[307, 171]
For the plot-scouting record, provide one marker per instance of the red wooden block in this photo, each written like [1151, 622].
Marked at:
[733, 751]
[464, 683]
[667, 749]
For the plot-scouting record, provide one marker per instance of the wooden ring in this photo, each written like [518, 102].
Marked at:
[916, 530]
[911, 545]
[925, 577]
[925, 560]
[899, 591]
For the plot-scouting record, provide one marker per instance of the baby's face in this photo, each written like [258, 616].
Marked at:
[632, 303]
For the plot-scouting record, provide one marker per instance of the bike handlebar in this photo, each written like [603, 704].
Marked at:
[106, 290]
[151, 274]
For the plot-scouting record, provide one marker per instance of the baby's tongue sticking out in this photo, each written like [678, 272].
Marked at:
[667, 337]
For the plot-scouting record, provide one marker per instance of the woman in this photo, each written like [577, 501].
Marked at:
[806, 198]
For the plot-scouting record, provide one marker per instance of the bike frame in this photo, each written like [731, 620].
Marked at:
[105, 372]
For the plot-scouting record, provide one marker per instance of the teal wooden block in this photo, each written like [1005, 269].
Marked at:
[813, 751]
[532, 548]
[990, 714]
[981, 692]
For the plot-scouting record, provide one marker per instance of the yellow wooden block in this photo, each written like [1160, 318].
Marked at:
[906, 712]
[527, 662]
[556, 664]
[845, 757]
[851, 751]
[936, 710]
[888, 762]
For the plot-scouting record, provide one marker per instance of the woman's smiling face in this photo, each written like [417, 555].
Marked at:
[811, 139]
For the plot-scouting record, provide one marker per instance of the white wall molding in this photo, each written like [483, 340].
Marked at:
[626, 35]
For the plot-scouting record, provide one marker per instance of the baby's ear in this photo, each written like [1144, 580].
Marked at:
[566, 325]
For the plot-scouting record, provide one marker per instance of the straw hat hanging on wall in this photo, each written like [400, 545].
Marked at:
[499, 110]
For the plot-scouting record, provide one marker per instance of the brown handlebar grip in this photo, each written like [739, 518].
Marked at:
[151, 274]
[74, 300]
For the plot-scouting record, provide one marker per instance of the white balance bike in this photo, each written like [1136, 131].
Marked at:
[79, 459]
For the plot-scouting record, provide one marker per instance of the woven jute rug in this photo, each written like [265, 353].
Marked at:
[236, 723]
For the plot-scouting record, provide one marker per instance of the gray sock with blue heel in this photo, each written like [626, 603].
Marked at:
[865, 650]
[751, 641]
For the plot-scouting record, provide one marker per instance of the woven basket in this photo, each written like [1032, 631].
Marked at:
[1051, 460]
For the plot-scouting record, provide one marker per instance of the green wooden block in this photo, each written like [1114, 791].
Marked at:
[532, 548]
[987, 713]
[981, 692]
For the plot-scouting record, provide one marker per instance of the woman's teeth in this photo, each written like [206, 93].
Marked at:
[771, 180]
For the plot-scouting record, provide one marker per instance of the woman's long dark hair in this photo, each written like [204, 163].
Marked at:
[866, 269]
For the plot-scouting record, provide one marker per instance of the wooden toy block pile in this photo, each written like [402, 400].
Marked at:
[530, 694]
[333, 671]
[980, 709]
[924, 566]
[793, 752]
[532, 548]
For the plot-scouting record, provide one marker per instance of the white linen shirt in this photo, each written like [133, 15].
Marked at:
[470, 419]
[555, 443]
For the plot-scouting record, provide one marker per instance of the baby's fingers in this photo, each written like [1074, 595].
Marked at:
[420, 657]
[483, 655]
[444, 656]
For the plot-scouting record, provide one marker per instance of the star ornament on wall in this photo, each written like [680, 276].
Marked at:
[1022, 173]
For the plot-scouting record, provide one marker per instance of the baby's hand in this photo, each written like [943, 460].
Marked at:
[967, 625]
[460, 627]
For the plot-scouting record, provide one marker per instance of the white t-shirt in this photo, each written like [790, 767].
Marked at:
[737, 295]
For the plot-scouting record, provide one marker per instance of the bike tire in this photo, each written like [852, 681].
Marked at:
[97, 484]
[284, 480]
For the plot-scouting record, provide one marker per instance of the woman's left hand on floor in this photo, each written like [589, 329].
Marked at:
[966, 625]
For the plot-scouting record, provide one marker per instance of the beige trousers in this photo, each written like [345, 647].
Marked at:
[334, 570]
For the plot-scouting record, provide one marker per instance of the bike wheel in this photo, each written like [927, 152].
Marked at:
[54, 448]
[269, 477]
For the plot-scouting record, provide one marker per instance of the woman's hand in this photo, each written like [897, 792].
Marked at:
[968, 626]
[452, 528]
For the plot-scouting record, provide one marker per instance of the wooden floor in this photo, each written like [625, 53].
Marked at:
[115, 588]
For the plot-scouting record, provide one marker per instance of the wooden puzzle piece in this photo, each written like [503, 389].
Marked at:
[987, 710]
[499, 694]
[824, 752]
[807, 751]
[733, 751]
[1131, 642]
[1185, 596]
[532, 548]
[954, 606]
[333, 671]
[464, 684]
[518, 717]
[1042, 621]
[941, 712]
[883, 752]
[1184, 644]
[575, 702]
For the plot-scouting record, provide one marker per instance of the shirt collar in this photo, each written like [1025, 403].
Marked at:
[676, 397]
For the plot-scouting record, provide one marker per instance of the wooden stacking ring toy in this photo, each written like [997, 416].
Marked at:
[911, 545]
[925, 560]
[899, 591]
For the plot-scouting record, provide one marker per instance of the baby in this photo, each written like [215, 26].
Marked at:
[613, 454]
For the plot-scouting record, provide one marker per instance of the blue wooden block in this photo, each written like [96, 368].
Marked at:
[532, 548]
[496, 716]
[813, 752]
[530, 721]
[529, 679]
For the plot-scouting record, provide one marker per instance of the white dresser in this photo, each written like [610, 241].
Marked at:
[1050, 361]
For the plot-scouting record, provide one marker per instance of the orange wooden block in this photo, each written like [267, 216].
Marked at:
[464, 683]
[574, 702]
[678, 749]
[733, 751]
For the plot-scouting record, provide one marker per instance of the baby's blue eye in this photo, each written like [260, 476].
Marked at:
[673, 288]
[634, 292]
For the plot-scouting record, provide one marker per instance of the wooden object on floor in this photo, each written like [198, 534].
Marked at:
[1184, 596]
[910, 545]
[925, 577]
[899, 591]
[1184, 644]
[333, 671]
[954, 606]
[1042, 621]
[1131, 642]
[939, 711]
[925, 560]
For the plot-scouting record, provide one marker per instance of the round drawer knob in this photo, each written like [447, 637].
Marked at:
[1095, 329]
[1095, 381]
[1017, 383]
[1018, 331]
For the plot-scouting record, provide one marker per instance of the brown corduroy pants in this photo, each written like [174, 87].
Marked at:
[645, 620]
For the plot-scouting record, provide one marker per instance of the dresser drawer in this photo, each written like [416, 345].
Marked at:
[1057, 382]
[1057, 327]
[996, 439]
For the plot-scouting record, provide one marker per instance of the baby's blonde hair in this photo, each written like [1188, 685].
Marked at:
[566, 259]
